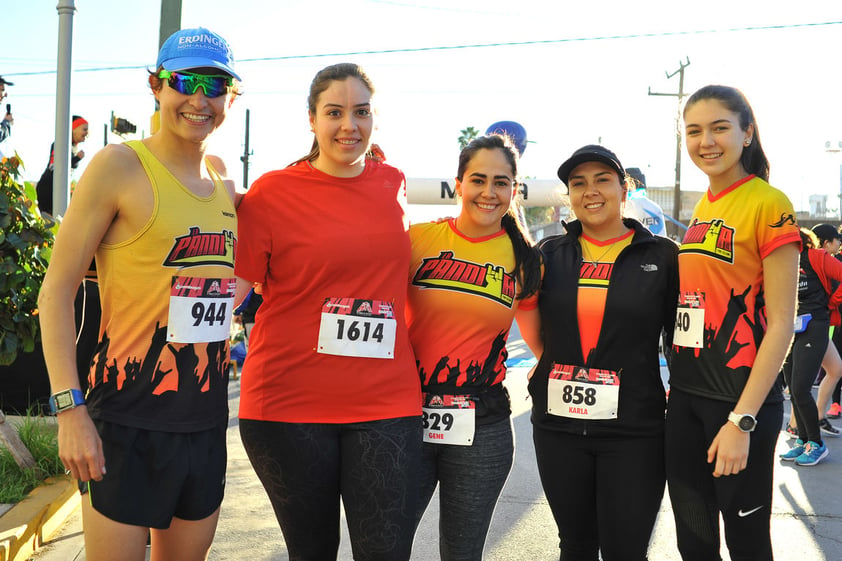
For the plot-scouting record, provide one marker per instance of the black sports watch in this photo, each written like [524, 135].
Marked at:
[67, 399]
[744, 421]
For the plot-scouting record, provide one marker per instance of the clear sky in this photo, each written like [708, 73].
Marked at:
[571, 73]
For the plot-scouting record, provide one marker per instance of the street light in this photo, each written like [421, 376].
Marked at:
[830, 147]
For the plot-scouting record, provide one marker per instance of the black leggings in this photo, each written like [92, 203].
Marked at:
[800, 369]
[306, 467]
[745, 499]
[604, 493]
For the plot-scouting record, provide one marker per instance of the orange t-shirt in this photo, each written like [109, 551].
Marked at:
[311, 237]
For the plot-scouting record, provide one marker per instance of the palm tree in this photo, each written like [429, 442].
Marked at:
[466, 136]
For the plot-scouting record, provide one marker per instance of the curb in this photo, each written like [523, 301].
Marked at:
[27, 525]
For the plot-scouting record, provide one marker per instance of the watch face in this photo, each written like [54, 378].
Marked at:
[746, 423]
[63, 400]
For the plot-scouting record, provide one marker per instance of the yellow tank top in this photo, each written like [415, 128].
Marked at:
[167, 297]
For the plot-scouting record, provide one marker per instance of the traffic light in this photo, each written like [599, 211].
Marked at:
[121, 126]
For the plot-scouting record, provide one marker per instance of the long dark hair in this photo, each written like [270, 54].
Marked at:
[527, 256]
[809, 240]
[324, 78]
[753, 158]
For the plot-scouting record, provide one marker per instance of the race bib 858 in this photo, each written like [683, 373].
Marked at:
[583, 393]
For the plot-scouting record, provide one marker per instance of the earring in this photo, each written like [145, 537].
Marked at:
[747, 142]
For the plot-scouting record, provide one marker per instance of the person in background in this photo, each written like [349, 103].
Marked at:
[330, 405]
[830, 240]
[248, 310]
[469, 278]
[738, 268]
[598, 398]
[8, 119]
[642, 208]
[148, 439]
[815, 300]
[835, 410]
[79, 132]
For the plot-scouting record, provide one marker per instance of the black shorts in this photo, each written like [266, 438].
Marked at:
[153, 476]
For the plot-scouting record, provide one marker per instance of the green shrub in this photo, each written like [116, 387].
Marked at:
[26, 239]
[39, 435]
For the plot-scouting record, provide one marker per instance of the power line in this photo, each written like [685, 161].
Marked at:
[480, 45]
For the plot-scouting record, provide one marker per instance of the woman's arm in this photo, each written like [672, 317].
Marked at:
[529, 324]
[780, 278]
[91, 213]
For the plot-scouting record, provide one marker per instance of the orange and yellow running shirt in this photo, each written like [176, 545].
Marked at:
[598, 259]
[167, 295]
[462, 301]
[721, 315]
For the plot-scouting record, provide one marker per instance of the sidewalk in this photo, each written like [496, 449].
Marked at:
[806, 519]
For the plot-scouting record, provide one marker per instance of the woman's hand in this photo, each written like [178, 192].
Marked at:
[79, 445]
[729, 450]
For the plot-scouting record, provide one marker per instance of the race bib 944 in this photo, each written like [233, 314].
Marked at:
[200, 309]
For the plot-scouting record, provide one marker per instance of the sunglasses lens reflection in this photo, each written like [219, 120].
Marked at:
[188, 84]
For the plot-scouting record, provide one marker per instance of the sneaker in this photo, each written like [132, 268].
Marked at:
[813, 454]
[827, 428]
[794, 452]
[835, 411]
[791, 431]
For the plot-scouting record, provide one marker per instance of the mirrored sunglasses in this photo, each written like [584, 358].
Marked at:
[188, 83]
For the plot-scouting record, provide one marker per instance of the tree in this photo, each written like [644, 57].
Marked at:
[466, 136]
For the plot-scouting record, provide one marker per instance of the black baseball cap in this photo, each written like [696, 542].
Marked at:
[826, 232]
[591, 153]
[5, 82]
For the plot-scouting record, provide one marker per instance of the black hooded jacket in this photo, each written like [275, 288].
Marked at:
[640, 306]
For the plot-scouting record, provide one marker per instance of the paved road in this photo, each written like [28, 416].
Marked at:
[806, 520]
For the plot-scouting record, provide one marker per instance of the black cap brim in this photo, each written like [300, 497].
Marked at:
[577, 159]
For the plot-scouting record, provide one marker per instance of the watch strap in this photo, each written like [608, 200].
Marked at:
[76, 397]
[737, 419]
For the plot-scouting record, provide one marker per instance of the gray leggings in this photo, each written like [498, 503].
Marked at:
[470, 480]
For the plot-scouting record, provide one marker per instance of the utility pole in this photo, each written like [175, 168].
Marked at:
[169, 24]
[830, 148]
[170, 20]
[61, 173]
[676, 206]
[245, 157]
